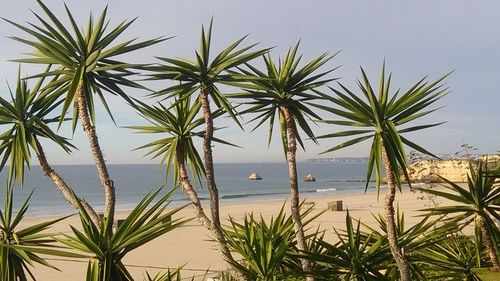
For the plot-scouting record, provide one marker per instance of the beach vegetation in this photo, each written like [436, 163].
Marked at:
[358, 255]
[85, 65]
[28, 117]
[282, 93]
[268, 249]
[454, 258]
[23, 248]
[384, 119]
[178, 127]
[477, 204]
[149, 220]
[201, 78]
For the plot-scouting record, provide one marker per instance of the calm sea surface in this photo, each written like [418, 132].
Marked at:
[132, 182]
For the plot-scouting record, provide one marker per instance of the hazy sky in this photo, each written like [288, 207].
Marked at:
[416, 38]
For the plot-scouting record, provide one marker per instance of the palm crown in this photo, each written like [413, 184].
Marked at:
[28, 116]
[84, 59]
[178, 127]
[481, 197]
[380, 116]
[204, 73]
[285, 85]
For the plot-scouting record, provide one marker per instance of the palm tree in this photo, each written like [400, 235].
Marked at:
[20, 249]
[478, 203]
[86, 66]
[287, 90]
[204, 75]
[359, 255]
[149, 220]
[27, 114]
[454, 257]
[176, 148]
[379, 118]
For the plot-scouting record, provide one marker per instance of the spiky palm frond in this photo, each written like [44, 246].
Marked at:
[85, 58]
[479, 201]
[384, 118]
[480, 197]
[178, 127]
[284, 85]
[147, 221]
[23, 248]
[203, 72]
[453, 258]
[268, 248]
[358, 255]
[27, 114]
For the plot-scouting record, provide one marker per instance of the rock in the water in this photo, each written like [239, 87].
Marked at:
[309, 178]
[254, 176]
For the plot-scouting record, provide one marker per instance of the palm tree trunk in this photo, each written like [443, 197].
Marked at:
[215, 227]
[189, 189]
[392, 235]
[61, 185]
[489, 244]
[294, 186]
[102, 170]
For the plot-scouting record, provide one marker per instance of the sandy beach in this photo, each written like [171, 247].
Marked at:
[190, 245]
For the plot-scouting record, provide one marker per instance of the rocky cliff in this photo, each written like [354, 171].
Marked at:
[455, 170]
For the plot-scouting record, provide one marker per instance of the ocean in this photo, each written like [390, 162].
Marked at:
[132, 182]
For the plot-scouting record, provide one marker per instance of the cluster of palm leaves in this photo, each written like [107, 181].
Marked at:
[84, 64]
[23, 248]
[268, 249]
[147, 221]
[81, 65]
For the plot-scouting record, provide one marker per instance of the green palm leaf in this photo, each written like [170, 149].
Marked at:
[147, 221]
[285, 85]
[382, 115]
[202, 73]
[27, 116]
[23, 248]
[82, 59]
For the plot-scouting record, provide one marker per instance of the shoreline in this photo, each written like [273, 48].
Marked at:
[230, 199]
[190, 245]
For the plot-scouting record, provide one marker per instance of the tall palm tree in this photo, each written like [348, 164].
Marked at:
[478, 203]
[86, 66]
[177, 127]
[27, 116]
[287, 90]
[203, 75]
[380, 117]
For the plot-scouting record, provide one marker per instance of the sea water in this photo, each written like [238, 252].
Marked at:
[133, 182]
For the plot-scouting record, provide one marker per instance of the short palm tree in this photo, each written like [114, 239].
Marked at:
[147, 221]
[28, 117]
[203, 75]
[285, 91]
[86, 65]
[380, 117]
[359, 255]
[178, 127]
[414, 240]
[454, 257]
[253, 239]
[478, 203]
[20, 249]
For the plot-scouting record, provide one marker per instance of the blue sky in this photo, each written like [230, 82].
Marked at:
[416, 38]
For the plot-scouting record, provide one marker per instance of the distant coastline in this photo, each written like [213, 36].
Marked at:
[338, 160]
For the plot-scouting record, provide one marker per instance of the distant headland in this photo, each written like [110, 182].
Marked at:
[339, 160]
